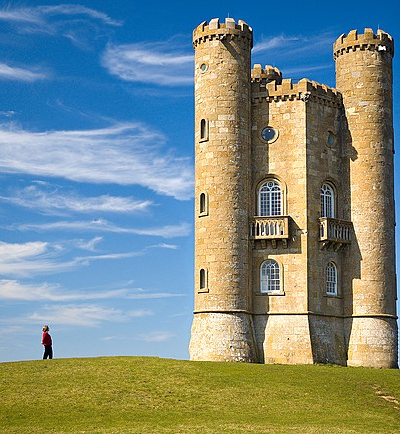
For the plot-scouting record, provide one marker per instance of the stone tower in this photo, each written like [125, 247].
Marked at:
[222, 327]
[291, 264]
[364, 77]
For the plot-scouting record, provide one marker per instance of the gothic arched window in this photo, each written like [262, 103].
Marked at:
[327, 201]
[270, 199]
[270, 279]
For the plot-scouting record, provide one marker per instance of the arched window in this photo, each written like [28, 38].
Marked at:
[203, 129]
[270, 276]
[202, 203]
[203, 279]
[331, 279]
[327, 201]
[270, 199]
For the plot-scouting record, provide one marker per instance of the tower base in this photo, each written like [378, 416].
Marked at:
[372, 342]
[223, 337]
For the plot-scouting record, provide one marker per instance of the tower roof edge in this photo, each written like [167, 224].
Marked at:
[381, 41]
[219, 30]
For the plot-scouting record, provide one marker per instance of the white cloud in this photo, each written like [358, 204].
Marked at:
[14, 290]
[88, 259]
[71, 9]
[153, 295]
[12, 252]
[296, 46]
[101, 225]
[164, 246]
[77, 315]
[306, 69]
[31, 258]
[161, 336]
[89, 245]
[14, 73]
[7, 113]
[123, 153]
[54, 202]
[160, 63]
[274, 42]
[25, 260]
[140, 313]
[305, 52]
[68, 20]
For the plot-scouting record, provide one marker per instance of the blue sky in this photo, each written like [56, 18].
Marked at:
[96, 160]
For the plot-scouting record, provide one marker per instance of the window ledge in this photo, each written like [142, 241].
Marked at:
[270, 293]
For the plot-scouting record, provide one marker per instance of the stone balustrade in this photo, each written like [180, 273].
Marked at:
[270, 228]
[334, 232]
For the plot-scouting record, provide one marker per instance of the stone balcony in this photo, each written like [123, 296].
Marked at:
[334, 233]
[272, 228]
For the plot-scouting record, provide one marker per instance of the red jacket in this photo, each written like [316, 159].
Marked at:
[46, 339]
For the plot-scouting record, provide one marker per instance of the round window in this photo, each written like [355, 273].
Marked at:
[269, 134]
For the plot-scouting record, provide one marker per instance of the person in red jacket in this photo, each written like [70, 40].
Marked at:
[47, 342]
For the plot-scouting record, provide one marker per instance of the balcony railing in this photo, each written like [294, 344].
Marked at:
[270, 228]
[334, 232]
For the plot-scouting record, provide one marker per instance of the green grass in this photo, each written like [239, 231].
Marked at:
[150, 395]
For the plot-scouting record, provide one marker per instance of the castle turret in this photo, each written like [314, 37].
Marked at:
[222, 326]
[364, 77]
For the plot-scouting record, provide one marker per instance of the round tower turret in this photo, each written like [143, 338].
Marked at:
[222, 325]
[364, 77]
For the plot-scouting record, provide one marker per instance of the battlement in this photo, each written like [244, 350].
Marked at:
[304, 90]
[216, 30]
[353, 41]
[266, 75]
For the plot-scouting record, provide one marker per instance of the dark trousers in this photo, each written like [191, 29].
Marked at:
[48, 352]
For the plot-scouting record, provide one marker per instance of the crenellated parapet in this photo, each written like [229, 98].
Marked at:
[353, 41]
[265, 75]
[220, 31]
[304, 90]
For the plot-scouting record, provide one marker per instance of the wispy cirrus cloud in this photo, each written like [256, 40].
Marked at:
[30, 258]
[159, 63]
[163, 246]
[274, 42]
[122, 153]
[14, 73]
[7, 113]
[78, 315]
[50, 200]
[153, 295]
[156, 336]
[101, 225]
[72, 21]
[89, 245]
[14, 290]
[282, 45]
[38, 258]
[75, 10]
[297, 54]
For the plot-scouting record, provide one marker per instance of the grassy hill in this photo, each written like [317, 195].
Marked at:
[150, 395]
